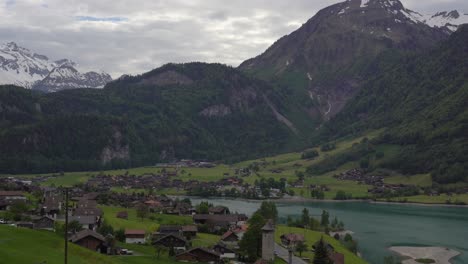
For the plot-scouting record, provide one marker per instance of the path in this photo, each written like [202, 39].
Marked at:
[283, 253]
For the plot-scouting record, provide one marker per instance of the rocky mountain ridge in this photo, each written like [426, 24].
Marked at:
[329, 57]
[22, 67]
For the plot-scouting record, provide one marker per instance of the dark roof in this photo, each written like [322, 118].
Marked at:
[228, 234]
[217, 218]
[89, 211]
[225, 249]
[91, 196]
[217, 209]
[190, 228]
[83, 219]
[269, 226]
[293, 237]
[11, 193]
[202, 249]
[37, 218]
[85, 233]
[85, 203]
[170, 235]
[169, 228]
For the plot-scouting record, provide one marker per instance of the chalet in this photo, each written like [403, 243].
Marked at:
[51, 206]
[224, 252]
[230, 238]
[199, 255]
[170, 230]
[184, 209]
[84, 203]
[44, 222]
[337, 258]
[91, 196]
[135, 236]
[291, 239]
[172, 241]
[12, 195]
[154, 206]
[122, 215]
[88, 222]
[220, 221]
[95, 212]
[218, 210]
[88, 239]
[189, 231]
[166, 201]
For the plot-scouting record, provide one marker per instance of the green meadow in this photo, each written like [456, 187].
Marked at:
[311, 237]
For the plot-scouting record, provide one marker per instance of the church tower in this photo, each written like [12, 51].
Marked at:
[268, 241]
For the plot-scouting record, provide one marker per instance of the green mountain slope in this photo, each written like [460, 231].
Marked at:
[196, 110]
[326, 61]
[422, 101]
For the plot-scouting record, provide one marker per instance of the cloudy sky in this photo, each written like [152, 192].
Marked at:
[135, 36]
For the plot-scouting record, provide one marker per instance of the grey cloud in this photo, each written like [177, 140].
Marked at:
[139, 35]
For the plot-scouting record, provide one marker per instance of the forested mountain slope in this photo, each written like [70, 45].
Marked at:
[422, 101]
[196, 110]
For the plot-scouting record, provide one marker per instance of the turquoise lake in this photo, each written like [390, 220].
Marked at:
[380, 226]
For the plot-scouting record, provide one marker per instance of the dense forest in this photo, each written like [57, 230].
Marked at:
[422, 101]
[195, 110]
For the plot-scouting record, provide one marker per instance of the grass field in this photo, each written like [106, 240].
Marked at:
[202, 240]
[19, 245]
[438, 199]
[312, 237]
[134, 222]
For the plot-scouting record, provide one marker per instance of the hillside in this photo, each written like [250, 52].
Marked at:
[422, 102]
[324, 63]
[196, 111]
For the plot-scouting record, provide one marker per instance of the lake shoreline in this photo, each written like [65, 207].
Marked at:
[298, 199]
[440, 255]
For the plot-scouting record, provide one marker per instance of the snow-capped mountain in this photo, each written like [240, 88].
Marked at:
[67, 77]
[450, 20]
[20, 66]
[445, 20]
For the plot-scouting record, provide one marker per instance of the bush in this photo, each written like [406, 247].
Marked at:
[310, 154]
[328, 147]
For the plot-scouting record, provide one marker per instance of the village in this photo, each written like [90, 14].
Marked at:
[45, 208]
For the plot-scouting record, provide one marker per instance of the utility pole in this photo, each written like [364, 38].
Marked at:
[66, 225]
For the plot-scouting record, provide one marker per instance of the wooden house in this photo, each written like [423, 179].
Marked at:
[199, 255]
[135, 236]
[88, 239]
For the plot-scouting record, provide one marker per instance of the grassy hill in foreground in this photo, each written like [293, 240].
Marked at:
[18, 245]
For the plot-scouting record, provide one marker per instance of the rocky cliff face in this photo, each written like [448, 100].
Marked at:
[326, 60]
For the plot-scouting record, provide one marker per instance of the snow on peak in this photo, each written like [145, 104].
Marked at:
[450, 20]
[364, 3]
[19, 66]
[381, 3]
